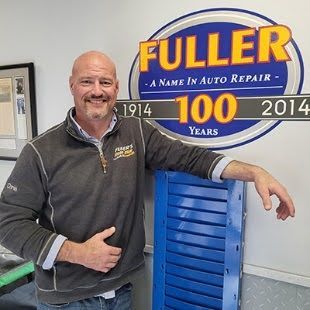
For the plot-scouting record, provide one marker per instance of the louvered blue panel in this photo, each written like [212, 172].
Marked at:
[197, 242]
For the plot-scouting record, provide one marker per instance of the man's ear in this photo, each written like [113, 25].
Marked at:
[71, 84]
[117, 86]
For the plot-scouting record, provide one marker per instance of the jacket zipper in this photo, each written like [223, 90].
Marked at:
[103, 161]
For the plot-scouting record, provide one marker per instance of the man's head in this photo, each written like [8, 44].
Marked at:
[94, 86]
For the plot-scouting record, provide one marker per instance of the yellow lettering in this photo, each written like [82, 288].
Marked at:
[272, 40]
[146, 55]
[239, 46]
[213, 51]
[164, 54]
[191, 53]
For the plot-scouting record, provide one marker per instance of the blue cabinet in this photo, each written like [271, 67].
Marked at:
[198, 236]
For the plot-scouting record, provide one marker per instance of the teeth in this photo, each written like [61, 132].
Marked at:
[96, 101]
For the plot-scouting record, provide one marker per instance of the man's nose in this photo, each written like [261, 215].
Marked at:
[97, 89]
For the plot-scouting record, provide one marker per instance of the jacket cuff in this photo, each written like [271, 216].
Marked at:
[52, 254]
[219, 168]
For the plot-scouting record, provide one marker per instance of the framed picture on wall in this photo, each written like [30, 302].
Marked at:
[18, 120]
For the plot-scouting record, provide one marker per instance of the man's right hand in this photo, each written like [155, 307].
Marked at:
[94, 253]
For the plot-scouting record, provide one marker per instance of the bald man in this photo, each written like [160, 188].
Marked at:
[77, 210]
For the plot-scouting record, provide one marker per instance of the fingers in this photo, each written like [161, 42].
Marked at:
[283, 211]
[112, 262]
[267, 186]
[267, 203]
[114, 251]
[290, 206]
[102, 260]
[97, 254]
[286, 207]
[286, 201]
[107, 233]
[112, 254]
[113, 258]
[265, 196]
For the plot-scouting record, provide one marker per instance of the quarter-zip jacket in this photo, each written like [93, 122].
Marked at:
[76, 190]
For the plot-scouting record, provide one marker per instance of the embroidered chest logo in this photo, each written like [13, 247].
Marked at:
[11, 187]
[123, 151]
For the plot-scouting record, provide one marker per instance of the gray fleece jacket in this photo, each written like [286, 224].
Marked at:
[60, 180]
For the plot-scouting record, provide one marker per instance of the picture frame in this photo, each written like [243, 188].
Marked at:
[18, 117]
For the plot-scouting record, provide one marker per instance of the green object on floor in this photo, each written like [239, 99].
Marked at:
[16, 273]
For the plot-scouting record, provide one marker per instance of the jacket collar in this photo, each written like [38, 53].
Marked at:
[74, 129]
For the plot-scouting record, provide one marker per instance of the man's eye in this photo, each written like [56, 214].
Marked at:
[86, 82]
[106, 83]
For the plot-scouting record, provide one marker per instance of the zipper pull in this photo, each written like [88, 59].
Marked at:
[103, 162]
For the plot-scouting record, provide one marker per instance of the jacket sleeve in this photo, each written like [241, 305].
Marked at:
[23, 197]
[162, 152]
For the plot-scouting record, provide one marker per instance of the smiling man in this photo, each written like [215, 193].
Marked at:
[74, 201]
[94, 86]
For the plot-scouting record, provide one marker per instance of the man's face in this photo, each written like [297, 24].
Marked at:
[94, 87]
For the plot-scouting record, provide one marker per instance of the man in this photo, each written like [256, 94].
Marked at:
[83, 180]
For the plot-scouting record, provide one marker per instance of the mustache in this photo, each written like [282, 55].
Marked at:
[93, 97]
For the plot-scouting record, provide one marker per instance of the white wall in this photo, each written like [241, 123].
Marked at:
[52, 33]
